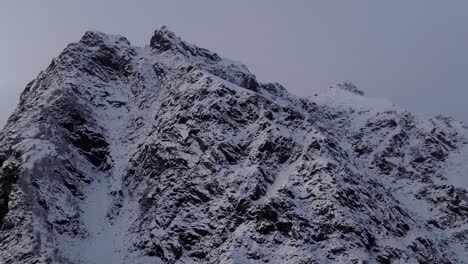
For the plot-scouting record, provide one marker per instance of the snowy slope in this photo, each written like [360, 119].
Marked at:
[172, 154]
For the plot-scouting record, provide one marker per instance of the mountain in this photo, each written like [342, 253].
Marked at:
[170, 153]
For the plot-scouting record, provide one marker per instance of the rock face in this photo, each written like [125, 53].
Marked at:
[348, 86]
[172, 154]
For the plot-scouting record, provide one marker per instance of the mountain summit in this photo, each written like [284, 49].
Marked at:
[172, 154]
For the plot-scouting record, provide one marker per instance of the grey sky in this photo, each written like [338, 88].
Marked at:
[414, 53]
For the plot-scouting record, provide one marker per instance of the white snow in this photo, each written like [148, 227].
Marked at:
[457, 168]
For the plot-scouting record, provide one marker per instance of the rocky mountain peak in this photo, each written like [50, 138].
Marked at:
[170, 154]
[163, 39]
[96, 38]
[165, 42]
[348, 86]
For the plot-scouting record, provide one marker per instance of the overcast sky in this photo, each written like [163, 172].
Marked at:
[414, 53]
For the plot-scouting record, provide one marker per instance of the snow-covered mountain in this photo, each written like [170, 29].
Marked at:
[172, 154]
